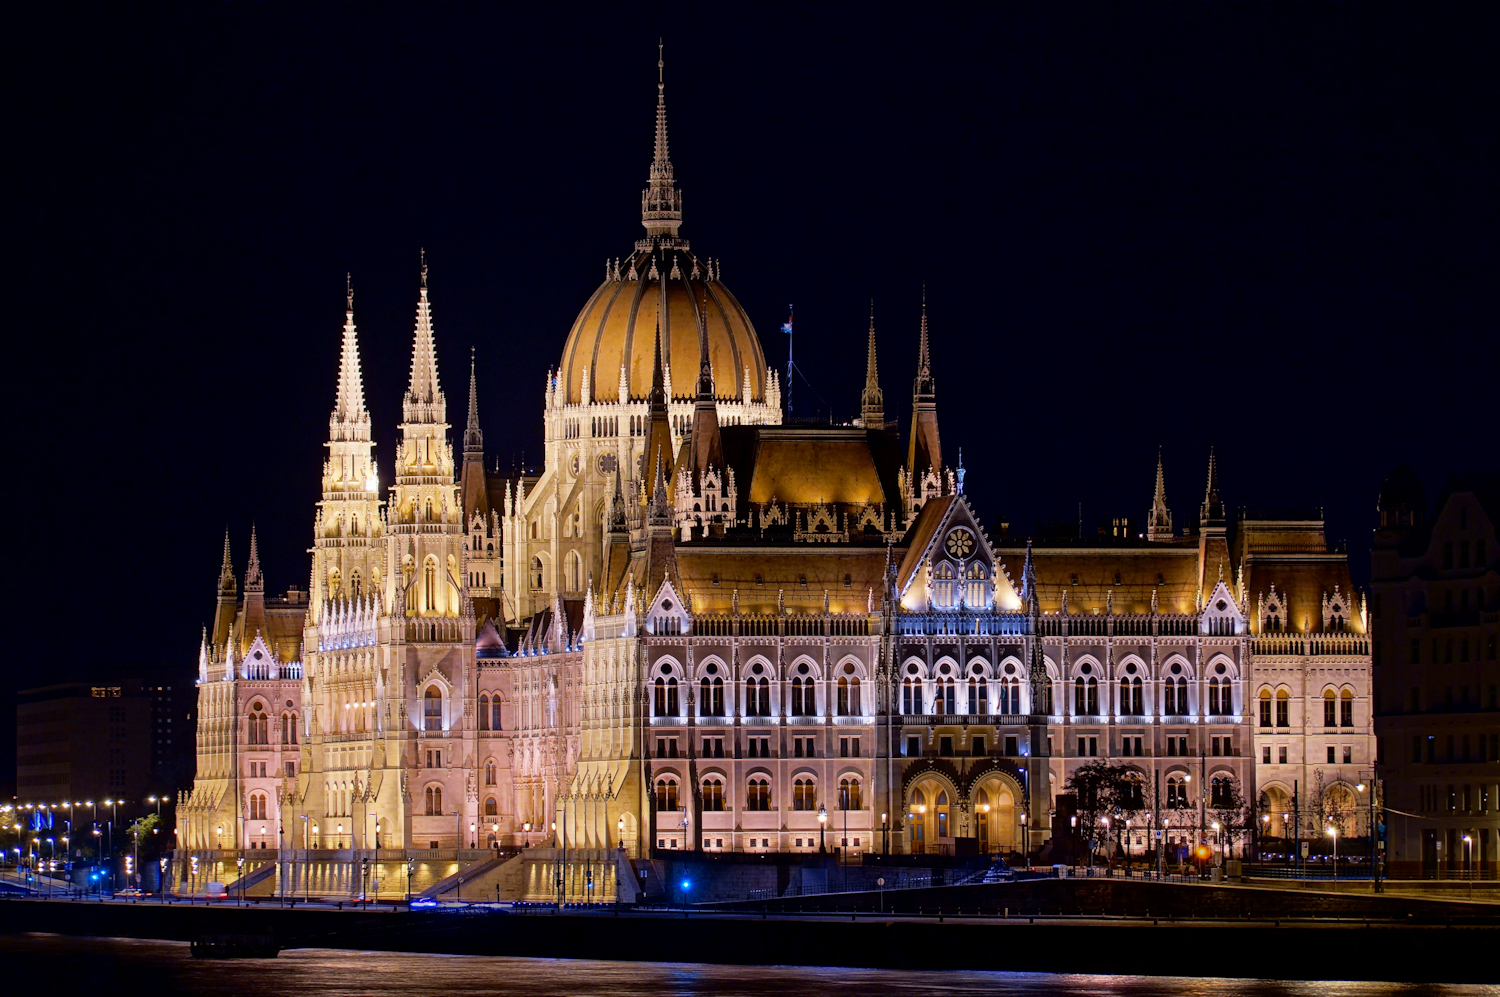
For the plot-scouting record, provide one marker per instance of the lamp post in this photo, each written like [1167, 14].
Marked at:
[411, 864]
[822, 827]
[885, 827]
[620, 827]
[1468, 862]
[239, 875]
[1333, 833]
[161, 879]
[52, 863]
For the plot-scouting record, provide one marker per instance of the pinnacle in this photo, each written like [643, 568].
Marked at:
[349, 402]
[872, 401]
[473, 437]
[226, 570]
[423, 388]
[252, 571]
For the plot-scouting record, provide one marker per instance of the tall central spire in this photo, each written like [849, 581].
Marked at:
[872, 400]
[924, 385]
[925, 452]
[661, 203]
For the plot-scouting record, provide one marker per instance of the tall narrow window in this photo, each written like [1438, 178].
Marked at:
[432, 709]
[1265, 707]
[429, 581]
[1346, 708]
[1283, 708]
[495, 713]
[484, 712]
[1330, 710]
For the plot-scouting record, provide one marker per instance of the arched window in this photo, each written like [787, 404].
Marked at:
[354, 584]
[849, 798]
[1086, 697]
[489, 773]
[849, 701]
[977, 585]
[797, 704]
[429, 583]
[260, 725]
[288, 728]
[1222, 792]
[333, 582]
[434, 800]
[432, 709]
[757, 697]
[257, 806]
[758, 794]
[428, 509]
[804, 795]
[484, 713]
[666, 795]
[947, 696]
[1346, 708]
[491, 809]
[712, 702]
[1265, 707]
[495, 713]
[1177, 797]
[944, 586]
[659, 701]
[979, 699]
[1283, 708]
[911, 695]
[1330, 709]
[536, 570]
[942, 814]
[713, 796]
[575, 571]
[1131, 701]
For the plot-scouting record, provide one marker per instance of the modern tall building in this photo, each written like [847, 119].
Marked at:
[84, 741]
[700, 627]
[1435, 599]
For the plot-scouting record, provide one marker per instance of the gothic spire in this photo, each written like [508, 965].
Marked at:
[872, 401]
[1212, 512]
[924, 452]
[349, 412]
[924, 385]
[254, 581]
[1159, 522]
[707, 446]
[423, 393]
[658, 425]
[226, 570]
[661, 203]
[473, 437]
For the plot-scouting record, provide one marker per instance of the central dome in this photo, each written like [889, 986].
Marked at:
[618, 326]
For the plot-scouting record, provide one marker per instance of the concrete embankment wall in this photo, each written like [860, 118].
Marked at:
[1307, 951]
[1126, 898]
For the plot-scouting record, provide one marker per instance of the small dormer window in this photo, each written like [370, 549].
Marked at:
[1075, 578]
[760, 579]
[1117, 578]
[802, 580]
[848, 581]
[1160, 578]
[716, 578]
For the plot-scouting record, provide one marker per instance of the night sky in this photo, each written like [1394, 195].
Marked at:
[1258, 227]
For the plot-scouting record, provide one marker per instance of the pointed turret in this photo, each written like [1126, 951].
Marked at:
[1159, 521]
[254, 619]
[708, 448]
[226, 570]
[1213, 534]
[661, 203]
[1212, 511]
[350, 420]
[925, 453]
[424, 401]
[254, 580]
[872, 400]
[476, 496]
[228, 602]
[658, 453]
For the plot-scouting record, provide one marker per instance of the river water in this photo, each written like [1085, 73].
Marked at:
[109, 965]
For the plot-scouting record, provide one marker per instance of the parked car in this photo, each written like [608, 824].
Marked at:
[216, 891]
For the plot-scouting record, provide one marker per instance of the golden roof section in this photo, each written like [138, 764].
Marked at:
[619, 324]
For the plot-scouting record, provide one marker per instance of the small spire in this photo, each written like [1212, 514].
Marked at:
[226, 570]
[349, 415]
[924, 354]
[422, 254]
[1212, 512]
[1159, 522]
[1028, 583]
[473, 437]
[872, 400]
[253, 577]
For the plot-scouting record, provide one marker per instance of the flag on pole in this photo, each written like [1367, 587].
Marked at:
[786, 326]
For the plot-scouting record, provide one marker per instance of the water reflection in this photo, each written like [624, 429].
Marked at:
[73, 965]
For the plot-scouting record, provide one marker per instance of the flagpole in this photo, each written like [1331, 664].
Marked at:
[788, 330]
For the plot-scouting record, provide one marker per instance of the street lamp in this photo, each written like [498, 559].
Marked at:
[619, 826]
[1333, 833]
[239, 865]
[1469, 862]
[885, 843]
[822, 827]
